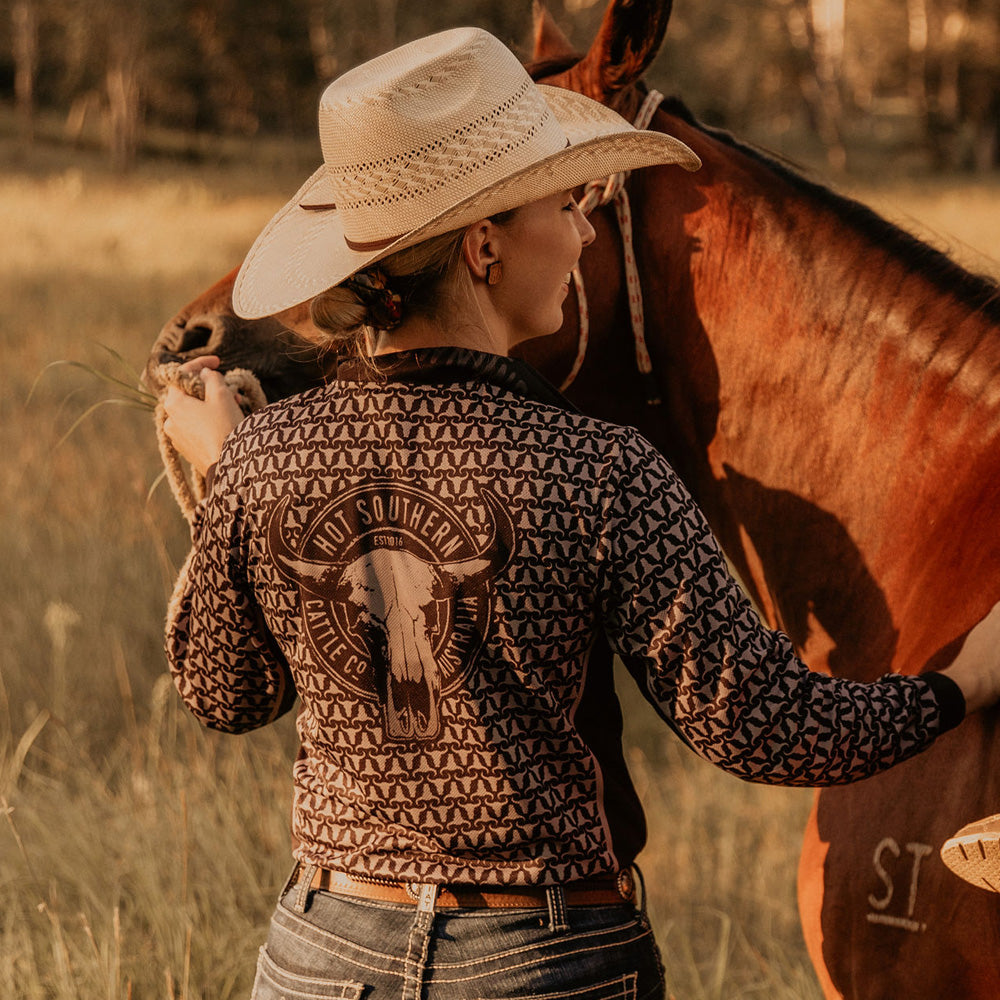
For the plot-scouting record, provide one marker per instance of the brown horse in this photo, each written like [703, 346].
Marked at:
[831, 395]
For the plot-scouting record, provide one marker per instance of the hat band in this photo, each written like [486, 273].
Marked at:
[371, 247]
[374, 246]
[358, 247]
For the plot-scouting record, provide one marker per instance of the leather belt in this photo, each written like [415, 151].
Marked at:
[593, 892]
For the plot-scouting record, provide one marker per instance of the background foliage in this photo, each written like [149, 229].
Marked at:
[919, 74]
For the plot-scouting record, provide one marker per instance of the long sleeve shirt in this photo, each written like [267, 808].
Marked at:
[439, 557]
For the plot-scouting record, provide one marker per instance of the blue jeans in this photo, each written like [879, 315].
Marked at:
[354, 949]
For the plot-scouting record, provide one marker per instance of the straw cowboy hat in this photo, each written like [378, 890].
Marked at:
[427, 139]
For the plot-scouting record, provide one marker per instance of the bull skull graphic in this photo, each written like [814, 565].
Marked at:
[388, 593]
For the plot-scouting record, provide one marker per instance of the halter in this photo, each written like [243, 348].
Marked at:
[602, 192]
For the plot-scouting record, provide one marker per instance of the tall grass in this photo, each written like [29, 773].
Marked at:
[140, 855]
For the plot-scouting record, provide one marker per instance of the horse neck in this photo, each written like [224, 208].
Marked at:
[846, 380]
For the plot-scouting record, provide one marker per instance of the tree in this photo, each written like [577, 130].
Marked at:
[24, 36]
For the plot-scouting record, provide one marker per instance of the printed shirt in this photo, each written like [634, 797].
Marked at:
[439, 559]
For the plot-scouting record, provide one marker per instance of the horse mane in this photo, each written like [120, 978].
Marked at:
[978, 292]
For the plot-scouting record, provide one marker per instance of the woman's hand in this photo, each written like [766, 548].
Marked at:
[976, 669]
[197, 428]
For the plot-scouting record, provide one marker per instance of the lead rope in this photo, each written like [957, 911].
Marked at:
[602, 192]
[186, 492]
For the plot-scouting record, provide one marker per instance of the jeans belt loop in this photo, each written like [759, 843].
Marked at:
[292, 881]
[304, 887]
[426, 897]
[555, 898]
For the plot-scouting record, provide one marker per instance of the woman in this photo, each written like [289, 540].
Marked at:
[438, 556]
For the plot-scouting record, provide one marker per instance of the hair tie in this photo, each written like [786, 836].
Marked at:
[384, 306]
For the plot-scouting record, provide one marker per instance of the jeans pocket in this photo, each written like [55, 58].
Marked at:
[622, 988]
[275, 983]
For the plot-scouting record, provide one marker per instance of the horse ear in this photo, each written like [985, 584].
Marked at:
[626, 44]
[550, 42]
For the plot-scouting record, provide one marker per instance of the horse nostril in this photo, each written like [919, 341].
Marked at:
[194, 337]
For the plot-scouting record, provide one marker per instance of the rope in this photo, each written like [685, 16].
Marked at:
[605, 191]
[251, 397]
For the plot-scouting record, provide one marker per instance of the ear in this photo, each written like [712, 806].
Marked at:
[626, 44]
[480, 247]
[550, 42]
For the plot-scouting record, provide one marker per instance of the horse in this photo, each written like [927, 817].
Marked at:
[830, 395]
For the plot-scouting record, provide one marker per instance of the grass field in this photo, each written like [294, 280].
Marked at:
[140, 854]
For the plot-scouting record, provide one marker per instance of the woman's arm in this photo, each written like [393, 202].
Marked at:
[225, 660]
[732, 688]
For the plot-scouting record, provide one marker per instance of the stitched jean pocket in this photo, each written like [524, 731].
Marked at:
[274, 983]
[623, 988]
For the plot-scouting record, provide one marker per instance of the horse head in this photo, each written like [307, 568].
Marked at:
[281, 350]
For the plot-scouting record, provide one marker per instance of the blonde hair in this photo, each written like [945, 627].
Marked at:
[420, 275]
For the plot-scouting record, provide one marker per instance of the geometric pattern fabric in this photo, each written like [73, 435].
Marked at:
[439, 559]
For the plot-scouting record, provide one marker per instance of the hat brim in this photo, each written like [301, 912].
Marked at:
[303, 251]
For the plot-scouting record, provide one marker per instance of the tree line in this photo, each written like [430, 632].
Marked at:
[248, 67]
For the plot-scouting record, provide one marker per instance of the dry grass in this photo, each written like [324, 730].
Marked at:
[139, 854]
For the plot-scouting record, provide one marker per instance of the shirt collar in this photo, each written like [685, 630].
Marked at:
[448, 365]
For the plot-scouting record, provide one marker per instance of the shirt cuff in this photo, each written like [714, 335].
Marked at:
[951, 701]
[209, 478]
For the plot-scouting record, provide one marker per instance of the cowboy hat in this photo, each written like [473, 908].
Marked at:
[426, 139]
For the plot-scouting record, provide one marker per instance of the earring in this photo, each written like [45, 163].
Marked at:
[494, 277]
